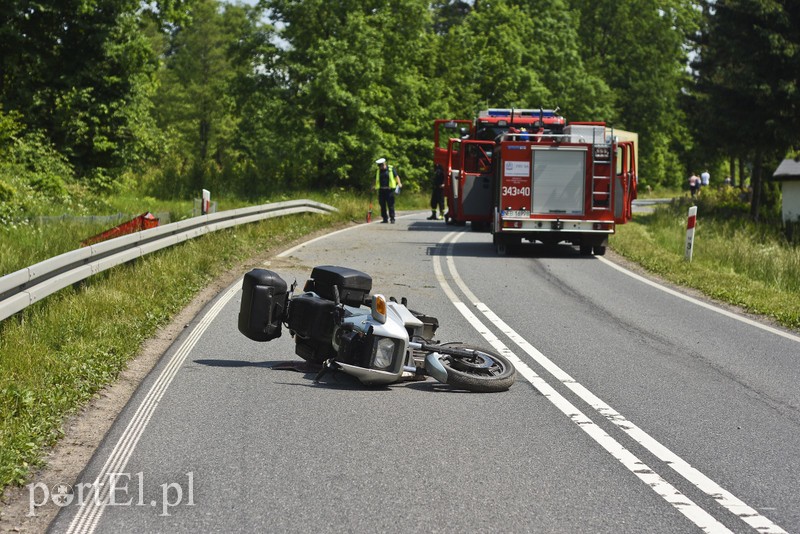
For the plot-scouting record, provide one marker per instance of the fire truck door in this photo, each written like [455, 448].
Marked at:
[443, 131]
[475, 192]
[624, 181]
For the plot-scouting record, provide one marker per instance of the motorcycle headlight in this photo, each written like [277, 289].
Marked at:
[384, 353]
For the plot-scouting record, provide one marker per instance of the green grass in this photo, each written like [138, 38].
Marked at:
[22, 245]
[661, 192]
[733, 260]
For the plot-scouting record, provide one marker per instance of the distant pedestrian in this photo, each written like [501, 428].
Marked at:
[694, 184]
[705, 178]
[387, 182]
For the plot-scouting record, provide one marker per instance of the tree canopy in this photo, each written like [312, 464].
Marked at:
[177, 95]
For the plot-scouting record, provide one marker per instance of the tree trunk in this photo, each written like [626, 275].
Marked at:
[732, 169]
[741, 174]
[204, 133]
[755, 185]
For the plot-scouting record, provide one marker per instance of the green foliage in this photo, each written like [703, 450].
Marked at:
[357, 88]
[33, 175]
[734, 260]
[731, 203]
[748, 74]
[748, 86]
[76, 73]
[638, 48]
[499, 57]
[191, 94]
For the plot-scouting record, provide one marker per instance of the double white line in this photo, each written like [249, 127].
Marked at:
[664, 489]
[91, 510]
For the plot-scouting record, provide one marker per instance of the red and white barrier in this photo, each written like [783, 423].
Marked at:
[690, 232]
[205, 207]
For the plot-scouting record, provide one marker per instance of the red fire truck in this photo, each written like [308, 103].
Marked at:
[527, 174]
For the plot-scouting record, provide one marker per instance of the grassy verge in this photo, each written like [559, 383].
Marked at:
[55, 355]
[733, 260]
[26, 244]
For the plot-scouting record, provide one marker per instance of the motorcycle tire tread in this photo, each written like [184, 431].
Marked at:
[501, 382]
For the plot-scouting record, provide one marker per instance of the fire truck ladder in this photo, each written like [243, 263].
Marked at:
[601, 185]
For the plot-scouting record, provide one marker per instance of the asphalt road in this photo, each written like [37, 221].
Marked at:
[635, 410]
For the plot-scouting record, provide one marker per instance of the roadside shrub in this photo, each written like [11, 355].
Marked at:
[6, 192]
[726, 202]
[33, 175]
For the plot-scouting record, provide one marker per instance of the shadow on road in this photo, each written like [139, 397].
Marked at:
[331, 380]
[523, 250]
[487, 249]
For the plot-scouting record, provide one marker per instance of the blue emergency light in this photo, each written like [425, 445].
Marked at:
[505, 112]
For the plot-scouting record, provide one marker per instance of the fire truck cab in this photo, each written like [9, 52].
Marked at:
[527, 174]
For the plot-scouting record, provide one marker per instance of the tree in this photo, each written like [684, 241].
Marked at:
[258, 90]
[747, 83]
[81, 72]
[520, 54]
[639, 49]
[449, 13]
[194, 101]
[354, 77]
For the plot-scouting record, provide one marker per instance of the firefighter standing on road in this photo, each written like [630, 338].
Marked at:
[437, 195]
[386, 182]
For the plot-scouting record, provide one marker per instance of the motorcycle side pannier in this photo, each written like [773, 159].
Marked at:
[311, 318]
[353, 285]
[263, 307]
[311, 323]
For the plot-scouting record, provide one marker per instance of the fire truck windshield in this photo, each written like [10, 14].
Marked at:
[490, 133]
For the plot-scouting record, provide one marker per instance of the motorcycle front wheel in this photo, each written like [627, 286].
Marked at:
[476, 369]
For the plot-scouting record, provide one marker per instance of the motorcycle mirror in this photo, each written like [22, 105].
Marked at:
[379, 308]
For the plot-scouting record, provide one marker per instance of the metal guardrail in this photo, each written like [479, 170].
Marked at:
[22, 288]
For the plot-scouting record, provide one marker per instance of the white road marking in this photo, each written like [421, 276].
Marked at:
[698, 479]
[664, 489]
[705, 305]
[91, 510]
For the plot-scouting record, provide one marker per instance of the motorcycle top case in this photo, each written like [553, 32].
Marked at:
[353, 285]
[264, 301]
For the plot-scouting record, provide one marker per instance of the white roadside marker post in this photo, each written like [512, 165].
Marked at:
[205, 204]
[690, 232]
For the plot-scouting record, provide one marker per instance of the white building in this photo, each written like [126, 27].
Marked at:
[788, 173]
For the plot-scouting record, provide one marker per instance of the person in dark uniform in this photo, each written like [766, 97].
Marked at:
[437, 195]
[387, 181]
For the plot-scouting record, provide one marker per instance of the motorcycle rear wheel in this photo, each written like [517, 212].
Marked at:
[485, 371]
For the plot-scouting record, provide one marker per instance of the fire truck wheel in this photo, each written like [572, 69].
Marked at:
[599, 250]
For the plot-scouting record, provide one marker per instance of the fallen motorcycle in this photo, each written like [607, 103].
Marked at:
[338, 325]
